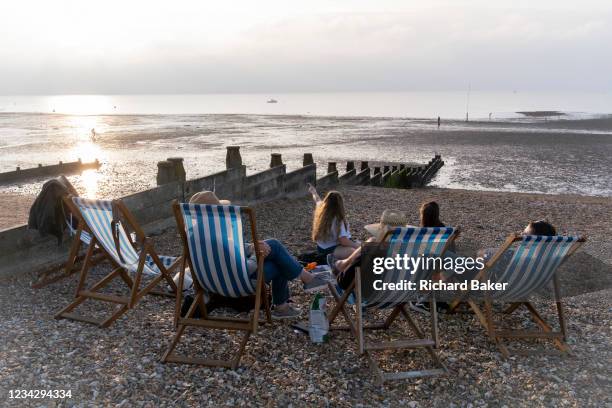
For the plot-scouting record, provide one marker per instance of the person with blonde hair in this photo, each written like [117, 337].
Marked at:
[330, 228]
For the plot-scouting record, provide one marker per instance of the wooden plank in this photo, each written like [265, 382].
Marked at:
[216, 324]
[195, 360]
[528, 334]
[400, 344]
[81, 318]
[104, 297]
[403, 375]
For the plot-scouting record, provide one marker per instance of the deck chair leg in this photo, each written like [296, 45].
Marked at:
[340, 307]
[243, 344]
[118, 313]
[267, 307]
[559, 307]
[358, 305]
[434, 320]
[415, 327]
[561, 345]
[512, 307]
[392, 316]
[489, 317]
[85, 267]
[175, 340]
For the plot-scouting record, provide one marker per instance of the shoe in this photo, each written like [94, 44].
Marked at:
[325, 275]
[289, 312]
[317, 283]
[420, 307]
[331, 262]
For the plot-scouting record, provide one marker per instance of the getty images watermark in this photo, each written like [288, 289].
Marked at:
[403, 268]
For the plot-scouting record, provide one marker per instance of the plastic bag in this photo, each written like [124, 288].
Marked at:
[318, 327]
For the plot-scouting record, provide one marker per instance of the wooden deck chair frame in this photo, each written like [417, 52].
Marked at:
[357, 328]
[73, 264]
[124, 303]
[498, 334]
[246, 325]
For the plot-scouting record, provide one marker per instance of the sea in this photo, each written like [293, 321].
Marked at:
[546, 142]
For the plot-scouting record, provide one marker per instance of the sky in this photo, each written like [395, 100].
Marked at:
[242, 46]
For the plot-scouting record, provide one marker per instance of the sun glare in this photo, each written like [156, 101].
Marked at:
[80, 104]
[90, 180]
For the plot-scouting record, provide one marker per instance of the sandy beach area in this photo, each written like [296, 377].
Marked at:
[120, 365]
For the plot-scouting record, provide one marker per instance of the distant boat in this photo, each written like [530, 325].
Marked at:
[272, 101]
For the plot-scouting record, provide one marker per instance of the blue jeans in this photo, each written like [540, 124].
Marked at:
[280, 268]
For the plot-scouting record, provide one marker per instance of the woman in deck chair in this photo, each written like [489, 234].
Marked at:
[279, 266]
[539, 227]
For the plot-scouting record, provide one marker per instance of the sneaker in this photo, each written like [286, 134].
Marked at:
[421, 307]
[317, 283]
[331, 262]
[289, 312]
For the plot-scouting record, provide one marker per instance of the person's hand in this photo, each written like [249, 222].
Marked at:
[264, 248]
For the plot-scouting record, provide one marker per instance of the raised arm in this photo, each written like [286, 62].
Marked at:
[313, 192]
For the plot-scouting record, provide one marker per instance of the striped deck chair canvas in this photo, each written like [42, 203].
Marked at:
[413, 242]
[131, 256]
[532, 266]
[213, 249]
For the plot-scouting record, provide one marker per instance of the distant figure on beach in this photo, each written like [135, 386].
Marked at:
[438, 121]
[93, 135]
[330, 229]
[490, 113]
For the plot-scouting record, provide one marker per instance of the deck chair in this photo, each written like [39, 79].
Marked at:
[213, 249]
[414, 242]
[80, 239]
[105, 222]
[532, 266]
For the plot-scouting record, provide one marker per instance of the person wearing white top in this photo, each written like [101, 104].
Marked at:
[330, 229]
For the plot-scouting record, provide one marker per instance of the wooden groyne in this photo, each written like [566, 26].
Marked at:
[23, 250]
[51, 170]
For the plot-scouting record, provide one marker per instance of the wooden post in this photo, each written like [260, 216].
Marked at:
[386, 169]
[276, 160]
[376, 169]
[308, 159]
[364, 165]
[179, 169]
[331, 167]
[233, 159]
[165, 172]
[350, 165]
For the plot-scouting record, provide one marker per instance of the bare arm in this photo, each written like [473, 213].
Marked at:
[313, 192]
[344, 241]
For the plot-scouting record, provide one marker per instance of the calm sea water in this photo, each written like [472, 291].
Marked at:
[507, 153]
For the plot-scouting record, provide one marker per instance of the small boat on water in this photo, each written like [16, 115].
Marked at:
[271, 100]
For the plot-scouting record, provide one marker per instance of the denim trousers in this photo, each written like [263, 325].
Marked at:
[280, 268]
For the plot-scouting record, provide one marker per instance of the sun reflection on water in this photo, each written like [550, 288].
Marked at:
[90, 180]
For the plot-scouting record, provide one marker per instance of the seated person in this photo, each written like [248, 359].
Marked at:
[279, 266]
[540, 227]
[330, 229]
[345, 268]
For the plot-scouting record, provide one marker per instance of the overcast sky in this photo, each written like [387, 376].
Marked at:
[199, 46]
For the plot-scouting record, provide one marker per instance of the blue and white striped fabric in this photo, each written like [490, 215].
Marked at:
[85, 237]
[216, 246]
[414, 242]
[532, 265]
[98, 214]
